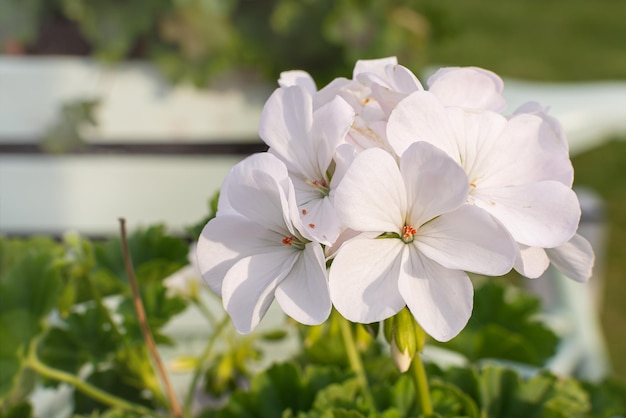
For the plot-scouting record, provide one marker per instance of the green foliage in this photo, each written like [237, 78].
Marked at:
[505, 325]
[66, 311]
[197, 40]
[65, 135]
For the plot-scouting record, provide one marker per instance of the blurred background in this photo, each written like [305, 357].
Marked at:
[111, 108]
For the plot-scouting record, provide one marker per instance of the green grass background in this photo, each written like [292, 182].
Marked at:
[556, 40]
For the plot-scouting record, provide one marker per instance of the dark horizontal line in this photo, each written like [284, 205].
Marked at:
[204, 148]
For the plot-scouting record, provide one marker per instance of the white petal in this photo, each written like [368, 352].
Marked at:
[574, 259]
[440, 299]
[303, 294]
[298, 78]
[543, 214]
[363, 279]
[331, 123]
[532, 262]
[244, 173]
[320, 218]
[224, 240]
[468, 239]
[248, 288]
[435, 184]
[285, 126]
[330, 91]
[403, 80]
[478, 136]
[421, 117]
[259, 197]
[527, 150]
[372, 196]
[468, 87]
[366, 134]
[376, 66]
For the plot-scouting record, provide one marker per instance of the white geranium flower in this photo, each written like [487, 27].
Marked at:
[506, 161]
[468, 87]
[256, 249]
[306, 140]
[418, 237]
[575, 258]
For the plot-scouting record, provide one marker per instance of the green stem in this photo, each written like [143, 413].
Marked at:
[422, 392]
[200, 366]
[93, 392]
[204, 310]
[355, 361]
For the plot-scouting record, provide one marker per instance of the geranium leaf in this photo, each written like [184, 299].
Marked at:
[505, 393]
[504, 326]
[608, 398]
[145, 245]
[29, 288]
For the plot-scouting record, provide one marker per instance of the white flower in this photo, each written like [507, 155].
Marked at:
[575, 258]
[418, 237]
[508, 163]
[306, 140]
[256, 249]
[468, 87]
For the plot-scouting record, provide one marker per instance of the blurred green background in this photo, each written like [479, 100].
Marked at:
[196, 40]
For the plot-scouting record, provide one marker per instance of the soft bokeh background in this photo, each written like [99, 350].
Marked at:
[198, 41]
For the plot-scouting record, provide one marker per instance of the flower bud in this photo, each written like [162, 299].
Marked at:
[405, 337]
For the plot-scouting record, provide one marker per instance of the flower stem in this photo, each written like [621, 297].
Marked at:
[208, 351]
[175, 408]
[93, 392]
[204, 310]
[355, 361]
[422, 392]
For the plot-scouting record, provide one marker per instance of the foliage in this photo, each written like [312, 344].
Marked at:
[65, 317]
[197, 39]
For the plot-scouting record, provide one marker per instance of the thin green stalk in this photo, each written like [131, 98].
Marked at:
[422, 391]
[204, 310]
[208, 351]
[355, 361]
[93, 392]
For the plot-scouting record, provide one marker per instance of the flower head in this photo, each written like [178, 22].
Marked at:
[418, 237]
[256, 249]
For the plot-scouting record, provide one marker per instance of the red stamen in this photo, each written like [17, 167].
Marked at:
[408, 231]
[287, 240]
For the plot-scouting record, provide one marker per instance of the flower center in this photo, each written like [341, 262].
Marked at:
[407, 233]
[319, 185]
[291, 241]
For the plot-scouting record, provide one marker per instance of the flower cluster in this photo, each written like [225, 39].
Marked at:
[377, 193]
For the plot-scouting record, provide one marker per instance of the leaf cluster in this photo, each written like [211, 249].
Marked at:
[197, 39]
[319, 382]
[66, 315]
[66, 306]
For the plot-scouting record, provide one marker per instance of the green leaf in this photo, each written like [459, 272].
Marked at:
[338, 395]
[21, 410]
[159, 307]
[449, 400]
[28, 292]
[145, 245]
[504, 326]
[112, 382]
[505, 393]
[281, 389]
[87, 334]
[60, 350]
[608, 398]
